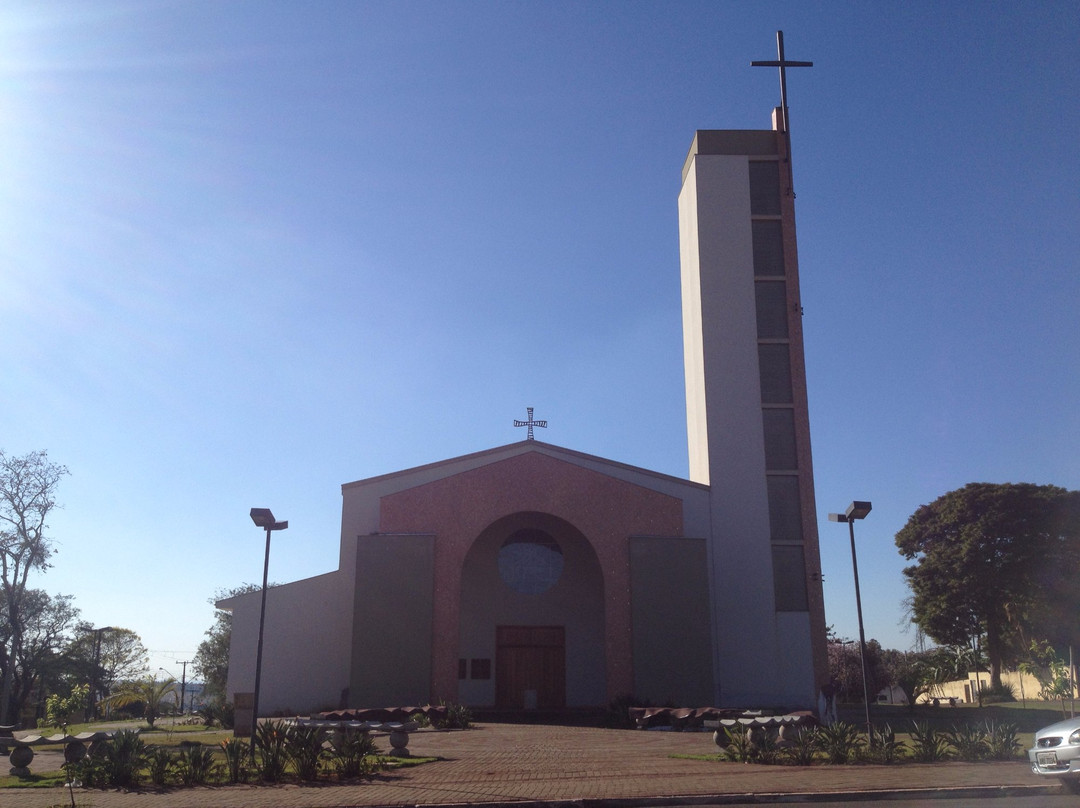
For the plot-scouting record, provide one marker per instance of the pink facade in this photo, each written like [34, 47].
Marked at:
[606, 510]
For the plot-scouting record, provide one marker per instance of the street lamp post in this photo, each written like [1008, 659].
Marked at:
[183, 680]
[262, 517]
[858, 510]
[169, 673]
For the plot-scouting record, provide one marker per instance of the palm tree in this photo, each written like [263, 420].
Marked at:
[152, 694]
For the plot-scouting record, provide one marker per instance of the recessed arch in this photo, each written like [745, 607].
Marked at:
[571, 605]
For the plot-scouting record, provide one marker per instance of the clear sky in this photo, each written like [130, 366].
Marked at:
[250, 251]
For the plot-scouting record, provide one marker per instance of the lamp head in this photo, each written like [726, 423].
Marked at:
[857, 510]
[262, 517]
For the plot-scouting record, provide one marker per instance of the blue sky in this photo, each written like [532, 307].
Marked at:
[252, 250]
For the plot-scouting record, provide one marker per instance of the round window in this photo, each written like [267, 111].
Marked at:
[530, 561]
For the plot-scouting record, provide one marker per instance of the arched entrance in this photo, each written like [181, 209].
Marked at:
[531, 624]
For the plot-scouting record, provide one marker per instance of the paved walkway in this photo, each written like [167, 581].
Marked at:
[500, 763]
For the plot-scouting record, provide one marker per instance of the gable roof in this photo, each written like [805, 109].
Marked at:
[428, 472]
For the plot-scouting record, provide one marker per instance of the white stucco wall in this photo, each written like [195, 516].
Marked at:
[753, 647]
[306, 644]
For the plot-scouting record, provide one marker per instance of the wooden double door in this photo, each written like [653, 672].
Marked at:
[530, 667]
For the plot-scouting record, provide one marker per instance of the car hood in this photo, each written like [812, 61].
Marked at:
[1066, 727]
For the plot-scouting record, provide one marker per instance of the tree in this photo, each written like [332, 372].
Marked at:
[911, 671]
[27, 495]
[211, 661]
[987, 558]
[154, 696]
[101, 658]
[1050, 671]
[59, 709]
[845, 670]
[44, 628]
[120, 657]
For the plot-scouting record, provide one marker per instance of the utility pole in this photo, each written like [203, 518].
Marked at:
[183, 681]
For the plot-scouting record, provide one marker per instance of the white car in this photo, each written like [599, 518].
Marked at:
[1057, 752]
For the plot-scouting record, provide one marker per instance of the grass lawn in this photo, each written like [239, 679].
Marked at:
[162, 725]
[35, 780]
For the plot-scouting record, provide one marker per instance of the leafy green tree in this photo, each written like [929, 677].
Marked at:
[58, 709]
[121, 656]
[102, 658]
[212, 657]
[27, 495]
[845, 670]
[990, 558]
[154, 696]
[44, 629]
[909, 670]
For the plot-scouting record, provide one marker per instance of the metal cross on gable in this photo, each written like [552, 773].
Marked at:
[530, 423]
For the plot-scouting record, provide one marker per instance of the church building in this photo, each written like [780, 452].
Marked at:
[534, 577]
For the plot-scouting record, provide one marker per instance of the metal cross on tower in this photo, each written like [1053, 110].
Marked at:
[530, 423]
[783, 64]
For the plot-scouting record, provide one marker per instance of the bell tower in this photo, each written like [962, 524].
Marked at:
[748, 425]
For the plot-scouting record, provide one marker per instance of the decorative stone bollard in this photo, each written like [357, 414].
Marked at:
[74, 751]
[20, 759]
[399, 740]
[7, 737]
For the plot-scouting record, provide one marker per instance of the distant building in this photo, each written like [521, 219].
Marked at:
[535, 576]
[892, 694]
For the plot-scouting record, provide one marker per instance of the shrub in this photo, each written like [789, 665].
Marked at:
[1002, 692]
[92, 771]
[159, 765]
[353, 753]
[766, 746]
[1002, 741]
[125, 757]
[196, 764]
[304, 746]
[458, 716]
[841, 742]
[884, 748]
[270, 743]
[928, 745]
[968, 742]
[802, 746]
[421, 719]
[221, 713]
[617, 715]
[236, 752]
[740, 746]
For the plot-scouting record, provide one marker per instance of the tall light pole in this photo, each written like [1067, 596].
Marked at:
[183, 679]
[858, 510]
[262, 517]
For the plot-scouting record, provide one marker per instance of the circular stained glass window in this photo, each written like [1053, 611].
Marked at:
[530, 561]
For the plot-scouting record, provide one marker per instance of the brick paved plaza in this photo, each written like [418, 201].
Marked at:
[502, 763]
